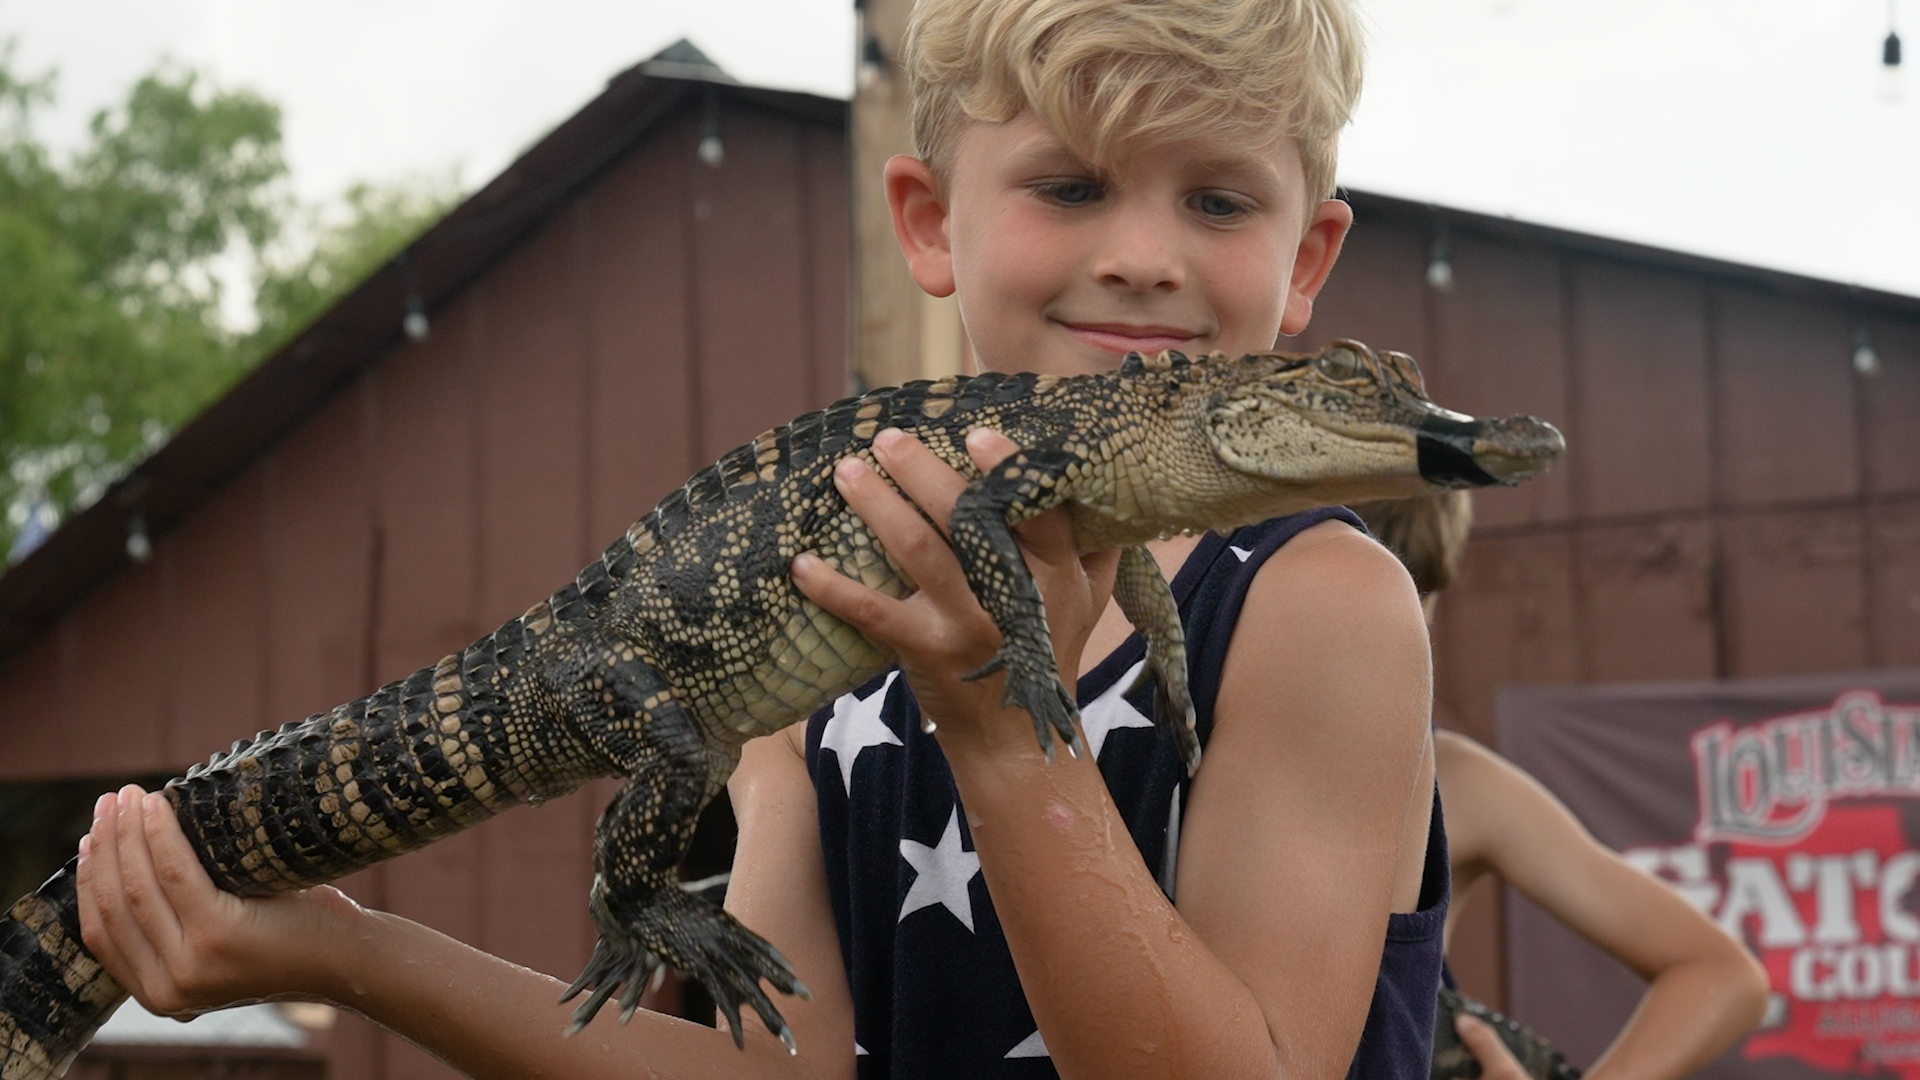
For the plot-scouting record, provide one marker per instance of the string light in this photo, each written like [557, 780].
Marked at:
[415, 323]
[873, 62]
[1440, 259]
[712, 151]
[1866, 361]
[139, 546]
[1890, 59]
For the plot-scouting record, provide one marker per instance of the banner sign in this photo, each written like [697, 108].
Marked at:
[1787, 810]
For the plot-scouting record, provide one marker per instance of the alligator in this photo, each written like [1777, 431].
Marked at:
[687, 637]
[1453, 1061]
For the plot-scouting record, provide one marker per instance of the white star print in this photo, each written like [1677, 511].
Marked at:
[1111, 710]
[1031, 1046]
[942, 874]
[856, 725]
[1241, 552]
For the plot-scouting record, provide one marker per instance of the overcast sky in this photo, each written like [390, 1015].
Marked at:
[1753, 130]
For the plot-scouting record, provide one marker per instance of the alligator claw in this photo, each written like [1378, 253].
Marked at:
[701, 940]
[1038, 691]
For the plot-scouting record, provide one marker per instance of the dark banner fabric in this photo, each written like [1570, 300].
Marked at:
[1786, 809]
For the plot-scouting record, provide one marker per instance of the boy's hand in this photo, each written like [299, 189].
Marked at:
[940, 633]
[1496, 1061]
[172, 939]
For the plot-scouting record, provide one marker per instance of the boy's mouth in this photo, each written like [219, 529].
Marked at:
[1121, 338]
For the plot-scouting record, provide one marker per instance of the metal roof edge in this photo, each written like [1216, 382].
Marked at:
[1863, 300]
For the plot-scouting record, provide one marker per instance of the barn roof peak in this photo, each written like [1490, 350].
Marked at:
[683, 60]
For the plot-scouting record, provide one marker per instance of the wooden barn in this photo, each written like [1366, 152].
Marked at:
[660, 278]
[667, 274]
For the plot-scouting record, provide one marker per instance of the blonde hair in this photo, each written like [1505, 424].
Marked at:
[1427, 532]
[1110, 75]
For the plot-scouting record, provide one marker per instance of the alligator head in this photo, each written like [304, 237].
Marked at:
[1351, 423]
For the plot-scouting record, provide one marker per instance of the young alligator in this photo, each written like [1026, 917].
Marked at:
[687, 638]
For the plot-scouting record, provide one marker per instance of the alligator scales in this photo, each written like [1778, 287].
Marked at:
[687, 638]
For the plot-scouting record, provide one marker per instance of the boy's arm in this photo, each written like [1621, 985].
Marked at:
[1287, 868]
[162, 929]
[1706, 990]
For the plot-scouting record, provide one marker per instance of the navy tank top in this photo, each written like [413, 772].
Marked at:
[934, 988]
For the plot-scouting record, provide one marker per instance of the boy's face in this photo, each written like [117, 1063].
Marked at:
[1199, 245]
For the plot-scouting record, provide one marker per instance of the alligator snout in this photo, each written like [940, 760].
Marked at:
[1461, 452]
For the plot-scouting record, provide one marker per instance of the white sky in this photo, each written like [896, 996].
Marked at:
[1753, 130]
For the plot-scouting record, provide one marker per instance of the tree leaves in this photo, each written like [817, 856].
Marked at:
[110, 330]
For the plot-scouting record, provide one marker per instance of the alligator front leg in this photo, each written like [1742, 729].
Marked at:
[980, 529]
[645, 919]
[1147, 601]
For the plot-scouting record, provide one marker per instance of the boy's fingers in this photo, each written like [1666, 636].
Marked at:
[910, 541]
[89, 890]
[930, 482]
[183, 881]
[876, 615]
[148, 902]
[988, 448]
[122, 934]
[1496, 1061]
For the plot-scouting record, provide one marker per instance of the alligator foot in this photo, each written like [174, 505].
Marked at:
[1147, 600]
[699, 939]
[1037, 689]
[1172, 704]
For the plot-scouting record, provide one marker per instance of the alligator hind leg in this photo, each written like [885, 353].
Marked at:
[645, 919]
[1145, 597]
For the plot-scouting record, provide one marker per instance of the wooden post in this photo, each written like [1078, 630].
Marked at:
[899, 332]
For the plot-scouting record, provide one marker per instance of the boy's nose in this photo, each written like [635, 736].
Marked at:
[1138, 253]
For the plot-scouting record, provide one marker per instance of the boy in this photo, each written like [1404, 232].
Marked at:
[1094, 178]
[1705, 991]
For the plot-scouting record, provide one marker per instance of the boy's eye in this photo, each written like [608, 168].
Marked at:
[1070, 192]
[1216, 206]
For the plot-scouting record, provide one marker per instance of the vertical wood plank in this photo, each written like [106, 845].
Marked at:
[1645, 598]
[1785, 408]
[1794, 593]
[217, 622]
[1640, 391]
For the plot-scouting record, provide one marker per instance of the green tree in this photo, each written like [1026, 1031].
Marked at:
[109, 325]
[110, 328]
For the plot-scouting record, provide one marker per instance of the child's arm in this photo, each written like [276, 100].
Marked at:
[1705, 992]
[152, 916]
[1288, 865]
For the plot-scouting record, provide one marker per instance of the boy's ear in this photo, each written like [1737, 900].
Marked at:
[1319, 250]
[920, 223]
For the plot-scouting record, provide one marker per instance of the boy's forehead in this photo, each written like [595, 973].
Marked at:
[1027, 141]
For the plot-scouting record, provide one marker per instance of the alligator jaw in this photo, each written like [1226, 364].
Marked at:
[1457, 451]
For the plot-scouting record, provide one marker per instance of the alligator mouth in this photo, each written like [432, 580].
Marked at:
[1456, 451]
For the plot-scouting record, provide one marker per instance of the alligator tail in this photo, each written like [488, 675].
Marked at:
[53, 994]
[442, 749]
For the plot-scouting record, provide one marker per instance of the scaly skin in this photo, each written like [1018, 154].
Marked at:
[687, 638]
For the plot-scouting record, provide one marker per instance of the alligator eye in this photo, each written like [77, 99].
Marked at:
[1341, 364]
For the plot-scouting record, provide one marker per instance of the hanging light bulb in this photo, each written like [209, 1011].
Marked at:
[139, 546]
[873, 62]
[1440, 259]
[712, 152]
[1866, 361]
[1890, 80]
[415, 323]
